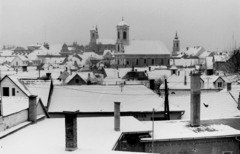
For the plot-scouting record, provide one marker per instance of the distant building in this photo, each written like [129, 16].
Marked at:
[176, 45]
[138, 52]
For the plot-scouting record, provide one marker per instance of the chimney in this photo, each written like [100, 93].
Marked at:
[149, 68]
[71, 130]
[117, 116]
[229, 86]
[195, 99]
[48, 75]
[32, 110]
[151, 83]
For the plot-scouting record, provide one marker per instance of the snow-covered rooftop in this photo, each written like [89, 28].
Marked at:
[217, 105]
[92, 133]
[176, 129]
[146, 47]
[20, 85]
[41, 88]
[101, 98]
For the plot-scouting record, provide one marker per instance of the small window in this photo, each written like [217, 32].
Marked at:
[145, 61]
[77, 80]
[5, 91]
[127, 62]
[136, 61]
[220, 84]
[16, 63]
[13, 91]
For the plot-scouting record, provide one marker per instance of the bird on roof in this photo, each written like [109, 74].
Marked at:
[206, 105]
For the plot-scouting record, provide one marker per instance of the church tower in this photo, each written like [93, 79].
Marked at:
[122, 35]
[93, 36]
[176, 45]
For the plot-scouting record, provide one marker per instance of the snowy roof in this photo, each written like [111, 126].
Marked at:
[23, 58]
[122, 23]
[146, 47]
[100, 99]
[83, 75]
[173, 67]
[6, 52]
[210, 79]
[106, 41]
[219, 58]
[93, 134]
[41, 88]
[205, 54]
[20, 84]
[177, 130]
[192, 51]
[14, 104]
[55, 60]
[220, 105]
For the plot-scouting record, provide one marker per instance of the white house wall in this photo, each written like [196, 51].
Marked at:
[8, 83]
[17, 62]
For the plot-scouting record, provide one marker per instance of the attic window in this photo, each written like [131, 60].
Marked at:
[77, 80]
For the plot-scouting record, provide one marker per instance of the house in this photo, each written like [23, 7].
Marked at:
[20, 61]
[96, 101]
[213, 82]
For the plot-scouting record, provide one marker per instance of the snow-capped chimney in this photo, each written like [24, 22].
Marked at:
[195, 99]
[117, 116]
[32, 110]
[71, 130]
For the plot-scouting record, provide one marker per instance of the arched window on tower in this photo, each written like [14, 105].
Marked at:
[124, 35]
[136, 61]
[118, 35]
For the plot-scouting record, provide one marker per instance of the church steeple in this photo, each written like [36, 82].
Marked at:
[176, 37]
[176, 45]
[123, 32]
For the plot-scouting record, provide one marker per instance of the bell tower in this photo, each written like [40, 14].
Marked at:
[123, 32]
[176, 45]
[93, 35]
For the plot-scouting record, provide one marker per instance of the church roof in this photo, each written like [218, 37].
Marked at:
[146, 47]
[122, 23]
[106, 41]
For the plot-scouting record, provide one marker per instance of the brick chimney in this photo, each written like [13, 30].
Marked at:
[32, 110]
[71, 130]
[48, 75]
[195, 99]
[117, 116]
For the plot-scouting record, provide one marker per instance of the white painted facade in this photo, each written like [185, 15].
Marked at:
[8, 83]
[18, 62]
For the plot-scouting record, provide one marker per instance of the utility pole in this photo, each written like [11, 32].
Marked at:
[153, 131]
[1, 103]
[166, 105]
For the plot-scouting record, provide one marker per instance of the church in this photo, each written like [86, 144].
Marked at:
[131, 52]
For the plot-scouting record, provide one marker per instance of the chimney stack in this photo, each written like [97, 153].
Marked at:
[195, 99]
[229, 86]
[32, 110]
[71, 130]
[117, 116]
[48, 75]
[149, 68]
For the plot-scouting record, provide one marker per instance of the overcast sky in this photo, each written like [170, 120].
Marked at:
[207, 23]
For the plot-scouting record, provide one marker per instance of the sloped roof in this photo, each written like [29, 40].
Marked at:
[106, 41]
[146, 47]
[122, 23]
[23, 58]
[205, 54]
[100, 99]
[220, 105]
[135, 75]
[6, 52]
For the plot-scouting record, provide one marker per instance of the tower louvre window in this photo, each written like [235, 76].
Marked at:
[118, 48]
[124, 35]
[118, 35]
